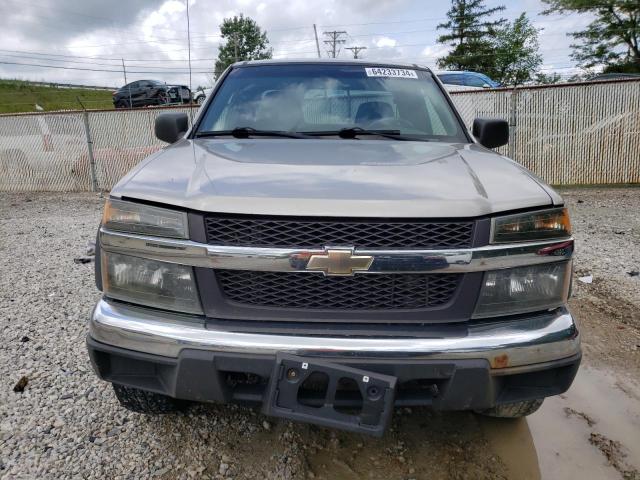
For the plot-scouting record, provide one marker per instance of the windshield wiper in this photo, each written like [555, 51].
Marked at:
[247, 132]
[353, 132]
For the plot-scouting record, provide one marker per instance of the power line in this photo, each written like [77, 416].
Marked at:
[87, 60]
[166, 69]
[84, 62]
[335, 40]
[61, 67]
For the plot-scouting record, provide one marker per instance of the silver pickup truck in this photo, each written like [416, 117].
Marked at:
[327, 241]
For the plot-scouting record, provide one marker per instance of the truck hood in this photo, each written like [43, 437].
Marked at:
[334, 177]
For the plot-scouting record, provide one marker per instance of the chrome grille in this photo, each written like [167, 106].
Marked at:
[282, 232]
[316, 291]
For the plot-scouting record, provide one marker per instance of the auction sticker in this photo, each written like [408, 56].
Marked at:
[390, 72]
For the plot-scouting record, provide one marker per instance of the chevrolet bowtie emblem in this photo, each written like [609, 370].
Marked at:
[339, 262]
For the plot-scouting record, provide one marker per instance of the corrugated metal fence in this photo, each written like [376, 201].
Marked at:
[567, 134]
[575, 134]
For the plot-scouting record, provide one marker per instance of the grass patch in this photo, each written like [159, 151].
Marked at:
[20, 96]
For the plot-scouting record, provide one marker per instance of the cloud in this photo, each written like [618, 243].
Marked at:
[385, 42]
[151, 36]
[432, 52]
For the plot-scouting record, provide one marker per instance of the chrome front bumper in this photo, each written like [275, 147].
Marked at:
[507, 343]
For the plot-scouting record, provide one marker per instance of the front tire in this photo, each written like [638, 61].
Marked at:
[142, 401]
[513, 410]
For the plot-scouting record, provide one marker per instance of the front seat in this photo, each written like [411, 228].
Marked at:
[371, 111]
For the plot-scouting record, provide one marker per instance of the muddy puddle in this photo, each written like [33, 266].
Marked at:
[591, 432]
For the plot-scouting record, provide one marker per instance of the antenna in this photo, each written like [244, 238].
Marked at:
[189, 56]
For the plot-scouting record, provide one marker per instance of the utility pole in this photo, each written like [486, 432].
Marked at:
[315, 32]
[356, 50]
[335, 39]
[124, 70]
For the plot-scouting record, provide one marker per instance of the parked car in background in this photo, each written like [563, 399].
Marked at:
[461, 80]
[614, 76]
[201, 95]
[143, 93]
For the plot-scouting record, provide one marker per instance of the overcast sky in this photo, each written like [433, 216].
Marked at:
[151, 35]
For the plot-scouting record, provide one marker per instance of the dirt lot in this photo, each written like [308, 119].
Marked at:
[67, 424]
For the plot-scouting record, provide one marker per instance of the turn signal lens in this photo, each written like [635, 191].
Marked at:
[526, 227]
[144, 219]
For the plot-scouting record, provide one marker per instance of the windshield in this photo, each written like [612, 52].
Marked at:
[321, 98]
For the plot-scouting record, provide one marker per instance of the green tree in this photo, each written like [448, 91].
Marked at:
[611, 40]
[516, 52]
[471, 34]
[245, 40]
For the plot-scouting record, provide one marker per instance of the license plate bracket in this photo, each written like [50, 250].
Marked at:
[290, 372]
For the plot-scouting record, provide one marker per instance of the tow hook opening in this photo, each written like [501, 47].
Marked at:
[313, 391]
[348, 399]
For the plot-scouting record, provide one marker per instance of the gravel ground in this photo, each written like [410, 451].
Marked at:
[606, 223]
[67, 424]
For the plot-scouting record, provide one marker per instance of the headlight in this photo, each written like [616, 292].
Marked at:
[147, 282]
[525, 227]
[523, 289]
[144, 219]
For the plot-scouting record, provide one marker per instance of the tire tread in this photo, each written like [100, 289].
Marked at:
[513, 410]
[142, 401]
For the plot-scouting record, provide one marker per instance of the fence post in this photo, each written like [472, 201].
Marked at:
[92, 161]
[513, 129]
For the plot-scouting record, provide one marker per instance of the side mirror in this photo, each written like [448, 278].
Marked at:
[486, 85]
[491, 132]
[170, 127]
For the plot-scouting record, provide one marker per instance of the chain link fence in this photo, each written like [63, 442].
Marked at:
[75, 151]
[568, 134]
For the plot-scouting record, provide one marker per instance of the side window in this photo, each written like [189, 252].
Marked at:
[324, 106]
[451, 79]
[474, 80]
[342, 107]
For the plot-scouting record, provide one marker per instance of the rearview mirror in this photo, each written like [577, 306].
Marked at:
[491, 132]
[170, 127]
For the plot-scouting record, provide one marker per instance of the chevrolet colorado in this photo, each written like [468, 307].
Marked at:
[327, 240]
